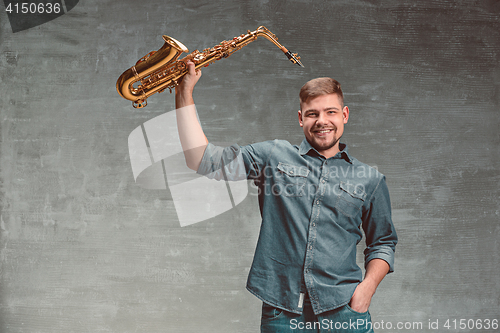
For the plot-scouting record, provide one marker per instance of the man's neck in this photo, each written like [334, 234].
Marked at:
[331, 151]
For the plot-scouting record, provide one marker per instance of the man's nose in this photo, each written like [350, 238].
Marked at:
[321, 120]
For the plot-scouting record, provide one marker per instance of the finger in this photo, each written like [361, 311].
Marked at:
[191, 68]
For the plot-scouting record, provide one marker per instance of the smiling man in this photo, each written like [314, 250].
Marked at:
[315, 199]
[323, 117]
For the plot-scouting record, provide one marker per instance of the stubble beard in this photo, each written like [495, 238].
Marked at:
[325, 146]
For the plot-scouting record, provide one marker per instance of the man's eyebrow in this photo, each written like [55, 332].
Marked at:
[332, 108]
[325, 109]
[309, 110]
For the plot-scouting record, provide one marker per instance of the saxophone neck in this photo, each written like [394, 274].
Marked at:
[264, 32]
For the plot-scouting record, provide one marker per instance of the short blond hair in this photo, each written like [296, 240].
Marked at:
[320, 86]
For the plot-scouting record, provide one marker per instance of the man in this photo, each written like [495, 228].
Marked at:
[314, 200]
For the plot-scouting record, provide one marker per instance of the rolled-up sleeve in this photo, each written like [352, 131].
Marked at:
[381, 237]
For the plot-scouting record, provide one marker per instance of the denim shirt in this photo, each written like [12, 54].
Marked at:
[313, 210]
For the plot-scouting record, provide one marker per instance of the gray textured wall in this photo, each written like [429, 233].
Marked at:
[84, 249]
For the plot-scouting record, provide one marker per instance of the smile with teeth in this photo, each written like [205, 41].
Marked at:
[323, 131]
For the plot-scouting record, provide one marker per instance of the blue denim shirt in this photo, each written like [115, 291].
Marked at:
[312, 210]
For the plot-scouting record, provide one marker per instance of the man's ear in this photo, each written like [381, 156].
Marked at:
[345, 114]
[300, 118]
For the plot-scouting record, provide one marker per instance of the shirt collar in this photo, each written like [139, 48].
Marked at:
[305, 147]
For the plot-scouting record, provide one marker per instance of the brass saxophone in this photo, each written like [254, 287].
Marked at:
[159, 70]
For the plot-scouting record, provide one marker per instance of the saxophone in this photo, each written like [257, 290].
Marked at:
[159, 70]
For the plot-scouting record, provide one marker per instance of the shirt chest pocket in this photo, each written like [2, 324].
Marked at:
[350, 199]
[290, 180]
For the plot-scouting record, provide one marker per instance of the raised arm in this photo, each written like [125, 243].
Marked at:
[193, 140]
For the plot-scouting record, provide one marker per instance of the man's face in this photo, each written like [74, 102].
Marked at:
[323, 119]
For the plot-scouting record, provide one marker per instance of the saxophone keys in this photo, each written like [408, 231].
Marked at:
[139, 104]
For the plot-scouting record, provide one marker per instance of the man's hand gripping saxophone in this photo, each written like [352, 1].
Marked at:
[192, 138]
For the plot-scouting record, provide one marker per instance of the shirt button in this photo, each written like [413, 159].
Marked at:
[291, 171]
[314, 224]
[310, 247]
[317, 202]
[323, 181]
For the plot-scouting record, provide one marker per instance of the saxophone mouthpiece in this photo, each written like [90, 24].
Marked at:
[293, 57]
